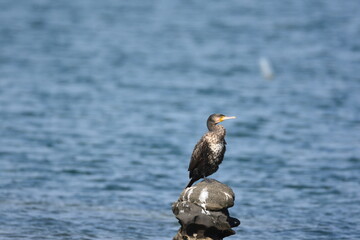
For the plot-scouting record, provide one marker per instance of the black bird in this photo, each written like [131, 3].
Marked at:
[209, 151]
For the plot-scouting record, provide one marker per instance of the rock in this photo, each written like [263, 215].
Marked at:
[202, 211]
[210, 195]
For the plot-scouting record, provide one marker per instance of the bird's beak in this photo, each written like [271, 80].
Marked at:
[226, 118]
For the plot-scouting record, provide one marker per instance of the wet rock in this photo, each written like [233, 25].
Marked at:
[202, 211]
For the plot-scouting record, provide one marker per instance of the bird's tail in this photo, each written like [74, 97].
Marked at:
[191, 182]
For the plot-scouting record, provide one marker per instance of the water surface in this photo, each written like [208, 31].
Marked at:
[102, 102]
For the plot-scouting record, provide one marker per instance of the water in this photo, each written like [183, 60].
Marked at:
[101, 103]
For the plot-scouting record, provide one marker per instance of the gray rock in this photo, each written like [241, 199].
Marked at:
[190, 213]
[210, 194]
[202, 211]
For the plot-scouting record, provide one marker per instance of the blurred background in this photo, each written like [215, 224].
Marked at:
[102, 102]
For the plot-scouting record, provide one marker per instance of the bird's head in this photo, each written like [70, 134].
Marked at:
[216, 118]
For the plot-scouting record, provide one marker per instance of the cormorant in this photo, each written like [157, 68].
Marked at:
[209, 151]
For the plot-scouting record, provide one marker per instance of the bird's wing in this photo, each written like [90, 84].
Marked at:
[200, 153]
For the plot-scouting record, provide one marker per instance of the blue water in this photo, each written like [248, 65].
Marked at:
[101, 103]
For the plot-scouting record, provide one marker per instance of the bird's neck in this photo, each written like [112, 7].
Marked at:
[218, 129]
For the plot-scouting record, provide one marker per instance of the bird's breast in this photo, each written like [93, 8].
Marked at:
[216, 147]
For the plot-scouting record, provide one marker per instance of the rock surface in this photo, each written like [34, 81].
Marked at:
[210, 195]
[202, 211]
